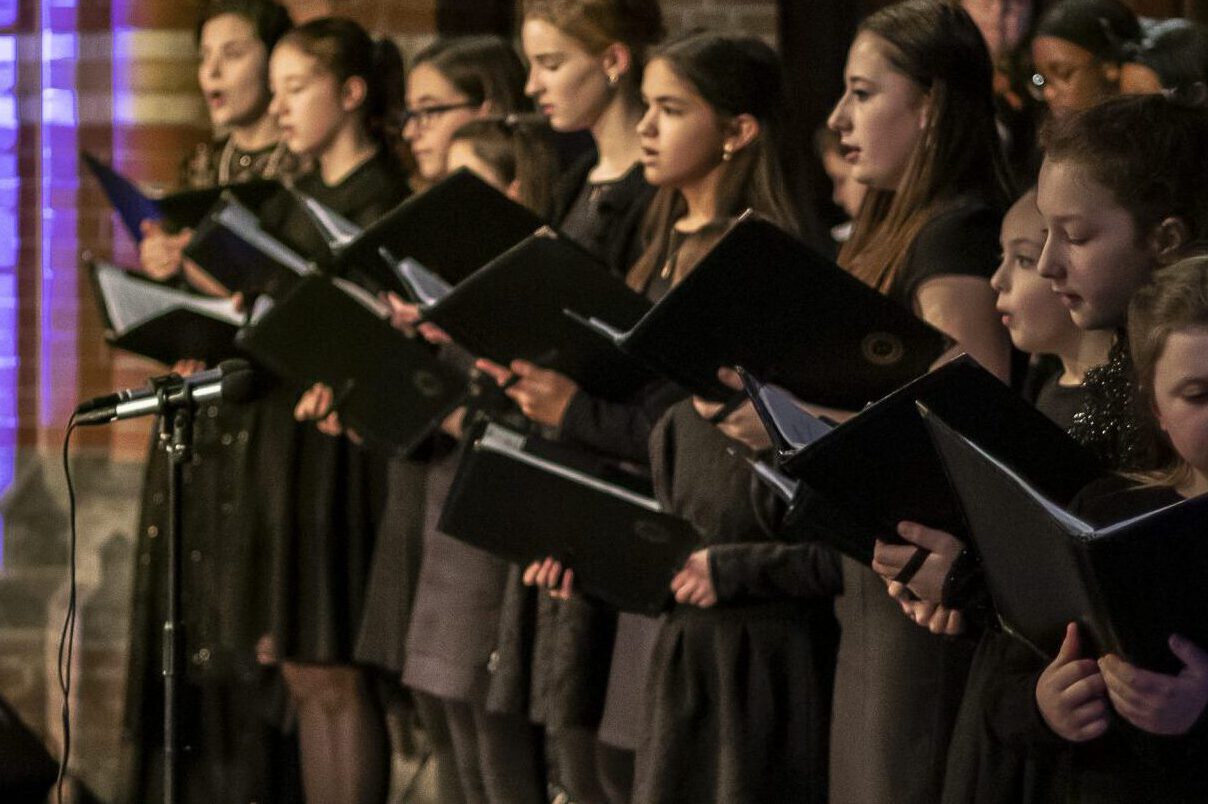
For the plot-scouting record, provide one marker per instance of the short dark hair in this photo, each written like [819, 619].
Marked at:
[1147, 151]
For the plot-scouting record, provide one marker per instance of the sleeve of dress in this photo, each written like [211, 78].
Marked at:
[771, 570]
[619, 429]
[962, 241]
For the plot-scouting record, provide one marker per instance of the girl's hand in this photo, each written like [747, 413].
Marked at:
[159, 253]
[315, 403]
[693, 584]
[542, 395]
[1072, 694]
[403, 315]
[549, 575]
[934, 617]
[742, 424]
[1155, 702]
[928, 582]
[188, 367]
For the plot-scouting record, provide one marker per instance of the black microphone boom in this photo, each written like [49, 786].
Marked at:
[230, 382]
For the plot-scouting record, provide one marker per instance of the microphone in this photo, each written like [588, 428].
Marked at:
[231, 381]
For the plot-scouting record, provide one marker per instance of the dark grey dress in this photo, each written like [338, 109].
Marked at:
[739, 694]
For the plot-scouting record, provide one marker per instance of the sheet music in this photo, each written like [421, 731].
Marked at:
[130, 302]
[337, 230]
[602, 328]
[240, 220]
[784, 486]
[796, 427]
[503, 441]
[426, 287]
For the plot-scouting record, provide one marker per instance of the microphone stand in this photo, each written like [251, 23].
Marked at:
[176, 437]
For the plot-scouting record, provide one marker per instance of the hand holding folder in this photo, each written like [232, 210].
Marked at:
[1128, 585]
[160, 321]
[514, 496]
[445, 233]
[390, 388]
[881, 467]
[512, 309]
[178, 210]
[764, 300]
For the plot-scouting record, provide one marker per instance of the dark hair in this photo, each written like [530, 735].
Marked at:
[596, 24]
[486, 69]
[519, 150]
[1147, 151]
[345, 50]
[1107, 28]
[734, 75]
[936, 45]
[1176, 299]
[269, 19]
[1177, 51]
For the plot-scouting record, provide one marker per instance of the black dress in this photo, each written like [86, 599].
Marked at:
[229, 750]
[739, 694]
[987, 762]
[321, 497]
[574, 639]
[1124, 765]
[897, 686]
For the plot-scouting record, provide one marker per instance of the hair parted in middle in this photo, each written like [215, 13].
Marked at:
[936, 45]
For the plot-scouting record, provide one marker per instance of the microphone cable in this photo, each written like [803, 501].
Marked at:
[67, 635]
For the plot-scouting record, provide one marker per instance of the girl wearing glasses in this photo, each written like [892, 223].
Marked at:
[1078, 52]
[452, 82]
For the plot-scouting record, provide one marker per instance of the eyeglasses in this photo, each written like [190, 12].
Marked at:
[424, 117]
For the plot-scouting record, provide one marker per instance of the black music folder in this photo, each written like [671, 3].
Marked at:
[160, 321]
[525, 498]
[178, 210]
[513, 307]
[1129, 585]
[232, 248]
[763, 300]
[390, 388]
[881, 466]
[452, 229]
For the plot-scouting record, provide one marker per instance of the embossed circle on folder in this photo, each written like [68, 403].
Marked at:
[650, 531]
[882, 348]
[427, 383]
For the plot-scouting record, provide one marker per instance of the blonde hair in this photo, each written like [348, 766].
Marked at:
[1176, 299]
[596, 24]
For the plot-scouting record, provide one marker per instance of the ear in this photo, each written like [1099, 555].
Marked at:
[1111, 72]
[617, 60]
[353, 93]
[1167, 239]
[925, 111]
[741, 131]
[513, 191]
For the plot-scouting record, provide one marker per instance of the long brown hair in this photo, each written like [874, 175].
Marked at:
[734, 75]
[1175, 300]
[935, 44]
[520, 148]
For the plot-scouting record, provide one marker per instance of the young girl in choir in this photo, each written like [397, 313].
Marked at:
[334, 94]
[236, 750]
[585, 65]
[917, 124]
[739, 688]
[452, 82]
[1119, 195]
[455, 619]
[1079, 50]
